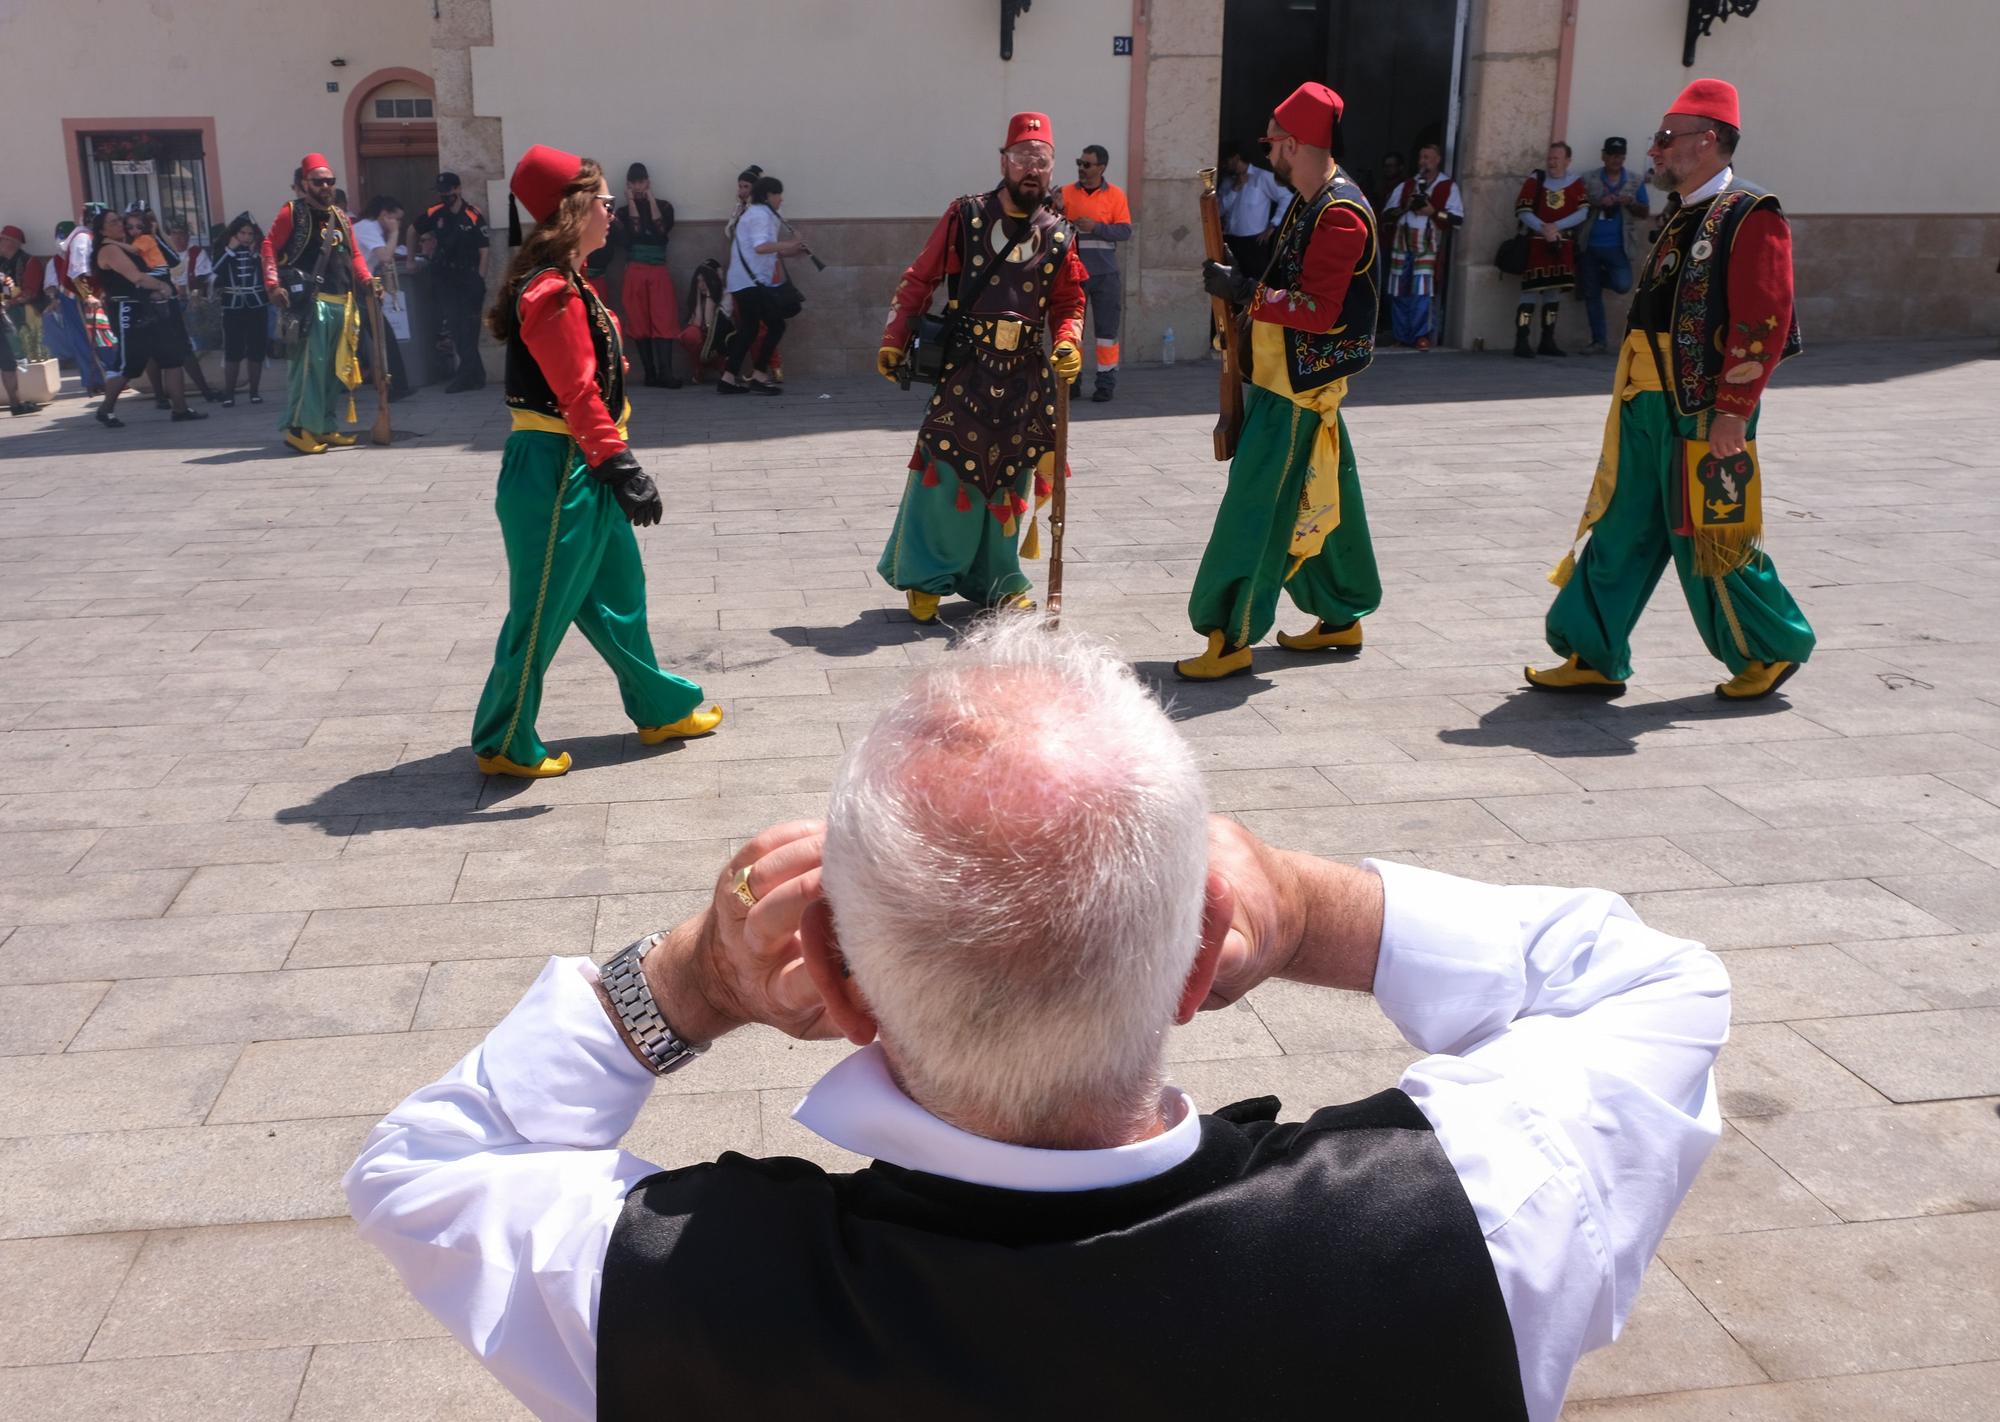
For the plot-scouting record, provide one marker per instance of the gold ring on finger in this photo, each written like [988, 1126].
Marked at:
[741, 888]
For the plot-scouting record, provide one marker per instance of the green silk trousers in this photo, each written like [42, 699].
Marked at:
[936, 547]
[571, 557]
[1743, 616]
[1249, 549]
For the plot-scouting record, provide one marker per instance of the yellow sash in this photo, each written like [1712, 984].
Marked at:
[347, 346]
[1637, 371]
[1319, 501]
[552, 424]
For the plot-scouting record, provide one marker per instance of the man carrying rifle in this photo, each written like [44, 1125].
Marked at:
[313, 264]
[1291, 516]
[990, 429]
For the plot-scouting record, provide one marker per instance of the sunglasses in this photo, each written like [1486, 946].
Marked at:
[1088, 163]
[319, 182]
[1666, 136]
[610, 202]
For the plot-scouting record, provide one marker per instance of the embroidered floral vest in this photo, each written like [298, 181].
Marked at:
[1313, 358]
[1693, 255]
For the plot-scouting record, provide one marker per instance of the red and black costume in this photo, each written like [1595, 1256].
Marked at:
[641, 230]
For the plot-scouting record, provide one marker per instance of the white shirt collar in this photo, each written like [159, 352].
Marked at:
[858, 1106]
[1710, 188]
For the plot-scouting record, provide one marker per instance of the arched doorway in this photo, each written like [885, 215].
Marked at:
[392, 139]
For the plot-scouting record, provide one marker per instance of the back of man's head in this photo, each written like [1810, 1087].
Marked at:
[1015, 859]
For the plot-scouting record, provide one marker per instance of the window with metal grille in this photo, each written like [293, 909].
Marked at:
[165, 168]
[402, 108]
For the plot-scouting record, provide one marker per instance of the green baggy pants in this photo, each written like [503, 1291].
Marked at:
[936, 547]
[571, 557]
[1743, 616]
[314, 393]
[1249, 550]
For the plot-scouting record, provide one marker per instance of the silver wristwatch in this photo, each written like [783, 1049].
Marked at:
[624, 978]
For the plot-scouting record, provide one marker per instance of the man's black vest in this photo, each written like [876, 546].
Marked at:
[310, 226]
[1313, 359]
[1327, 1269]
[528, 388]
[1683, 290]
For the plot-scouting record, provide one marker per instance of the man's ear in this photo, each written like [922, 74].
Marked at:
[1218, 909]
[819, 946]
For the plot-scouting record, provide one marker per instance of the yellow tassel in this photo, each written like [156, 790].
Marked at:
[1031, 546]
[1560, 574]
[352, 418]
[1010, 527]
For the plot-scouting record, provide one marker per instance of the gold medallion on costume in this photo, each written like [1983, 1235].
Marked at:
[1555, 197]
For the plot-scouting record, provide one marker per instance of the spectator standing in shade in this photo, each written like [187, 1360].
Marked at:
[81, 298]
[20, 287]
[745, 180]
[1421, 210]
[378, 237]
[236, 285]
[641, 229]
[1552, 204]
[754, 250]
[1252, 202]
[458, 276]
[1102, 219]
[1615, 194]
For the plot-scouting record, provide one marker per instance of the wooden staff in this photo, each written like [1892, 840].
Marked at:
[1058, 499]
[1229, 422]
[381, 433]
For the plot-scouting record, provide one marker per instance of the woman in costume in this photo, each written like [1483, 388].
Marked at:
[570, 490]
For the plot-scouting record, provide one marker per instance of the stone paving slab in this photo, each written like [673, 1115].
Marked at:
[251, 890]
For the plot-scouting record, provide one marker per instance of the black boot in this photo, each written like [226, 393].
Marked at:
[1549, 346]
[663, 358]
[646, 360]
[1524, 316]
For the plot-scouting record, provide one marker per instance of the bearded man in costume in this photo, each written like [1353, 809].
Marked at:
[1291, 516]
[313, 265]
[1677, 479]
[989, 432]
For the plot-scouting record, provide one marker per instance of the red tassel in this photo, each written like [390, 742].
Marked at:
[1042, 489]
[930, 476]
[964, 500]
[1020, 505]
[1001, 513]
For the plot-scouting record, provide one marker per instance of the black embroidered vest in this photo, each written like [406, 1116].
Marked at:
[1332, 1268]
[1683, 290]
[310, 226]
[529, 389]
[1313, 359]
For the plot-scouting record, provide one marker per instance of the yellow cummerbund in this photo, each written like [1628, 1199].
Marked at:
[549, 424]
[1644, 371]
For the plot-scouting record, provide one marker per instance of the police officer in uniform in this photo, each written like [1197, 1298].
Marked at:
[458, 276]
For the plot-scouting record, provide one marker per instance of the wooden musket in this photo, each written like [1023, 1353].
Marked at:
[1229, 422]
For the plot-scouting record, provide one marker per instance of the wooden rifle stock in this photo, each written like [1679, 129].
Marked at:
[1229, 422]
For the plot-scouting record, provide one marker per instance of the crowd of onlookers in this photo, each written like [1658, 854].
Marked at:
[125, 299]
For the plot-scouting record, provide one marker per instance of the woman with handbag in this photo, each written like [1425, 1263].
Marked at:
[141, 328]
[764, 299]
[570, 490]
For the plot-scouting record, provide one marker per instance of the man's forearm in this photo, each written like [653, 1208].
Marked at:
[1338, 913]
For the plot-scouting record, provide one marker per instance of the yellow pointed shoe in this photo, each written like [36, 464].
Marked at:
[304, 443]
[1214, 664]
[1572, 675]
[1759, 679]
[499, 765]
[923, 606]
[1321, 639]
[1023, 603]
[343, 441]
[695, 723]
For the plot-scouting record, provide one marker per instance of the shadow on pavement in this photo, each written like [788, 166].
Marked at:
[1583, 724]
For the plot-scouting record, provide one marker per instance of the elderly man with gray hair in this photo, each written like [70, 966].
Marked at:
[1016, 894]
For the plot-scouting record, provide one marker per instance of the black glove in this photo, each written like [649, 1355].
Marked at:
[1228, 283]
[632, 486]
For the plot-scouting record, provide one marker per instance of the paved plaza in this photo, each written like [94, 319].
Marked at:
[252, 890]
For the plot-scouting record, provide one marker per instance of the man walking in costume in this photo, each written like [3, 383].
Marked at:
[1678, 479]
[1291, 516]
[990, 427]
[570, 490]
[313, 265]
[652, 315]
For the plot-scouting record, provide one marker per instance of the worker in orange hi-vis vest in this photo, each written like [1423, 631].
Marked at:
[1102, 220]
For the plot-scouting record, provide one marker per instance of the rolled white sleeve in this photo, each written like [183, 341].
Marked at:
[494, 1191]
[1572, 1088]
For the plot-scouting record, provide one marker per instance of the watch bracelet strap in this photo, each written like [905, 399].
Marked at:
[662, 1048]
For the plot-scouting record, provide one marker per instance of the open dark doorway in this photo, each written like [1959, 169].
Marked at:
[1394, 63]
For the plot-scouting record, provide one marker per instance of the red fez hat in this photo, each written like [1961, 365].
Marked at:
[1310, 114]
[1709, 99]
[540, 177]
[312, 161]
[1028, 128]
[10, 230]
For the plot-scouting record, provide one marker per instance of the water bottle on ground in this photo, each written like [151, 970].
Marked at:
[1167, 347]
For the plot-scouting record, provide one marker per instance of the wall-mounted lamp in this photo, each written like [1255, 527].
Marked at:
[340, 64]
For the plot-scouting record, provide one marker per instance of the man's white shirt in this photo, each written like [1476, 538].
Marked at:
[1570, 1086]
[1251, 209]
